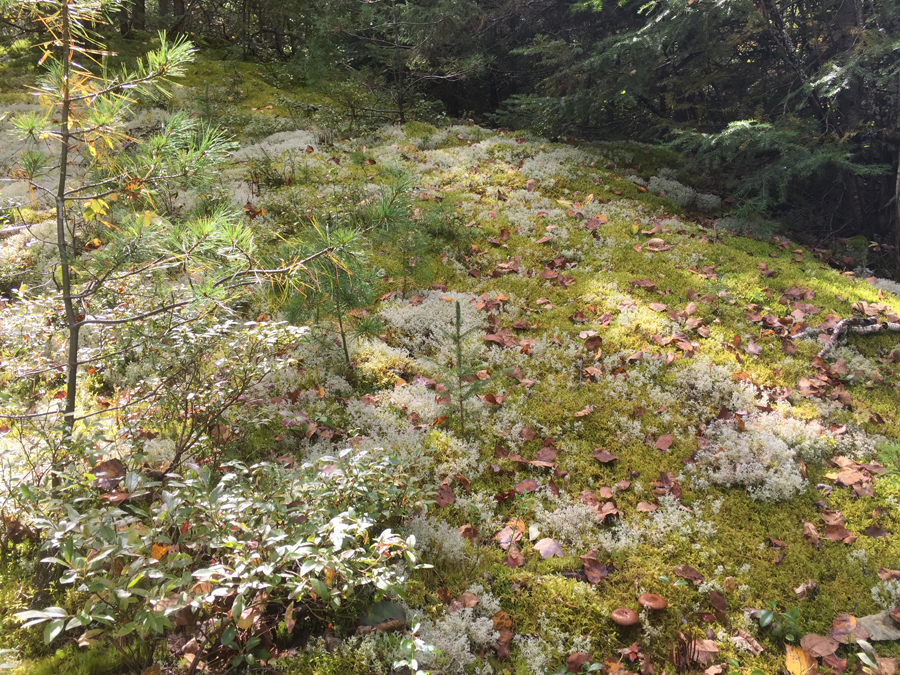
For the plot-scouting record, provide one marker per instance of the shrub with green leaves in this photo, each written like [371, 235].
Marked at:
[235, 547]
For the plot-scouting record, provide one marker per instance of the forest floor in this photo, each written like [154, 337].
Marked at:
[653, 415]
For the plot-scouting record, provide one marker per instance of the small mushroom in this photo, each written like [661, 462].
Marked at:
[624, 616]
[652, 601]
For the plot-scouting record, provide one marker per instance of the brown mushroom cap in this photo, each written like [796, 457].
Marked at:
[652, 601]
[624, 616]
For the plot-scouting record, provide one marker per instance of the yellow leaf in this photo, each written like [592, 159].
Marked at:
[158, 551]
[248, 616]
[289, 618]
[588, 199]
[800, 662]
[329, 576]
[516, 524]
[201, 588]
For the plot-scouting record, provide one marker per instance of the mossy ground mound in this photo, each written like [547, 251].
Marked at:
[606, 318]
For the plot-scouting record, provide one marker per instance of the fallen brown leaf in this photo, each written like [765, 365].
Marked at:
[548, 548]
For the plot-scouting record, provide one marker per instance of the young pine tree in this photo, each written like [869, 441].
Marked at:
[461, 382]
[339, 287]
[117, 259]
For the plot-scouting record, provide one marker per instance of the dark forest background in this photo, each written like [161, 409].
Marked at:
[789, 109]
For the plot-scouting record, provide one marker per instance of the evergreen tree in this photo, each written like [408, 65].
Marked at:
[116, 256]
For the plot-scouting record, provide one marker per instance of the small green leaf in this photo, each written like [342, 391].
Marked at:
[868, 660]
[128, 628]
[237, 608]
[228, 636]
[31, 615]
[52, 630]
[320, 588]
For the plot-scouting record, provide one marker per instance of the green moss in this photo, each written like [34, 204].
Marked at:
[544, 597]
[419, 130]
[340, 662]
[74, 661]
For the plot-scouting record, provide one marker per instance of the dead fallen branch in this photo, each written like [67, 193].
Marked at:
[863, 326]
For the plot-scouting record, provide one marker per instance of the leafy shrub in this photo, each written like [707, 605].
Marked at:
[234, 546]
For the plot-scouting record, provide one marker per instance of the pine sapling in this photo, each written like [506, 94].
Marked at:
[462, 381]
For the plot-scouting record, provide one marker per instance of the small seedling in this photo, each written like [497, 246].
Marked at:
[783, 625]
[679, 582]
[461, 383]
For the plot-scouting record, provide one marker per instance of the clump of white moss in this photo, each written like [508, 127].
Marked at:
[761, 452]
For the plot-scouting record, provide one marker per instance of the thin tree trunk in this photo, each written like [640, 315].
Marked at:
[343, 333]
[124, 20]
[339, 312]
[897, 219]
[164, 8]
[61, 236]
[139, 14]
[398, 64]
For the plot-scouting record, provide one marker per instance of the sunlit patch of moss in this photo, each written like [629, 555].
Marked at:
[419, 130]
[343, 661]
[74, 661]
[378, 366]
[740, 547]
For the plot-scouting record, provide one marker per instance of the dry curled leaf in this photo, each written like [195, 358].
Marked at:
[718, 601]
[664, 442]
[810, 533]
[511, 533]
[593, 569]
[803, 589]
[846, 630]
[444, 496]
[514, 558]
[746, 641]
[703, 651]
[819, 645]
[574, 662]
[603, 456]
[466, 600]
[888, 575]
[108, 474]
[689, 573]
[526, 486]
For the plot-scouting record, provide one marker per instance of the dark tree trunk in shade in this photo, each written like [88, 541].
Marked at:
[139, 14]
